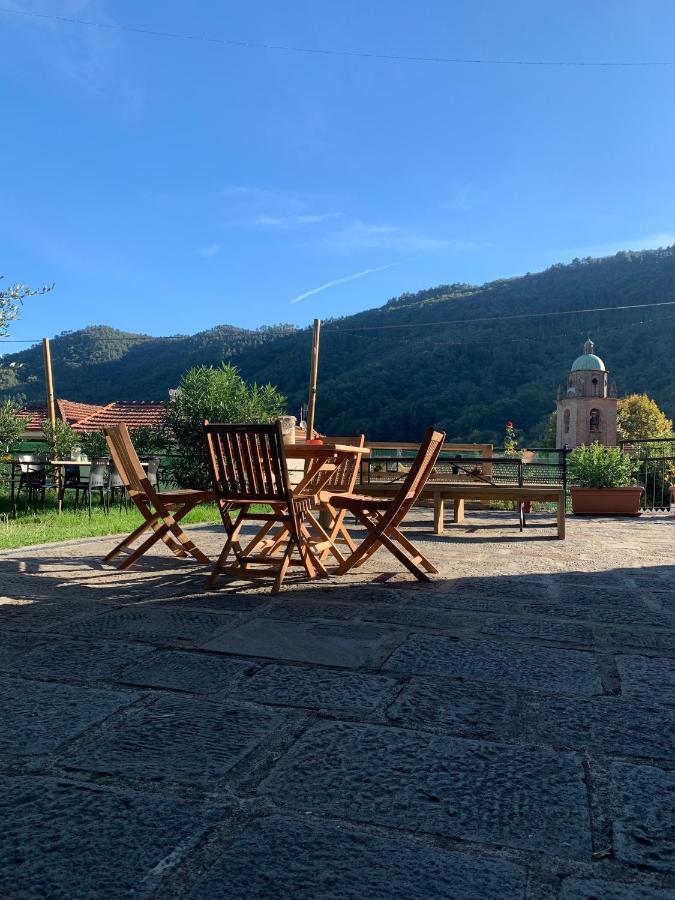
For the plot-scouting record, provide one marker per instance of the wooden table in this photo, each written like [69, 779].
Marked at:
[439, 492]
[321, 460]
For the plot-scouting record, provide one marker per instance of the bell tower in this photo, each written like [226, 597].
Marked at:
[587, 403]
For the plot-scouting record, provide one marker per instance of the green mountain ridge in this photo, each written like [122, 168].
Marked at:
[464, 357]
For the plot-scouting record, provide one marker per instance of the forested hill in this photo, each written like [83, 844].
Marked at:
[466, 358]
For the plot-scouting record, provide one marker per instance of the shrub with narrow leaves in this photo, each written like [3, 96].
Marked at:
[219, 395]
[596, 466]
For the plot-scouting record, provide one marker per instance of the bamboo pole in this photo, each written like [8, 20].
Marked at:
[51, 408]
[313, 376]
[49, 385]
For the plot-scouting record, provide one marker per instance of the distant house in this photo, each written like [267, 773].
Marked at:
[88, 417]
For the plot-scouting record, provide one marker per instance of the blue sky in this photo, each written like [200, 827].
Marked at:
[168, 186]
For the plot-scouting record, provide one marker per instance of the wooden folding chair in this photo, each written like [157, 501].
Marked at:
[248, 467]
[381, 517]
[342, 481]
[161, 510]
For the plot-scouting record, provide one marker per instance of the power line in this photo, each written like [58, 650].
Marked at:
[325, 51]
[431, 326]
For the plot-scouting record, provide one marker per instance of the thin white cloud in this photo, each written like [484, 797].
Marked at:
[209, 251]
[336, 281]
[254, 207]
[360, 235]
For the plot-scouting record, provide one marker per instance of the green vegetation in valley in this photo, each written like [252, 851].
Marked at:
[466, 358]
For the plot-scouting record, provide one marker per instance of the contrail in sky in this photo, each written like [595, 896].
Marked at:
[330, 284]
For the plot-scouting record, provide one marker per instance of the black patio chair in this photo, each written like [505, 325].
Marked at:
[33, 479]
[97, 481]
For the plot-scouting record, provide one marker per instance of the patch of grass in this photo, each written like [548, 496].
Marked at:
[46, 525]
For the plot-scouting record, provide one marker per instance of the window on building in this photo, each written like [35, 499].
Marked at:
[594, 421]
[594, 382]
[566, 421]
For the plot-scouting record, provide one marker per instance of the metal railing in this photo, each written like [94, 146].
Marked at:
[528, 469]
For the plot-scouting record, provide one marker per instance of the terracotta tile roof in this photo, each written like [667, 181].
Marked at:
[72, 411]
[87, 417]
[135, 414]
[34, 416]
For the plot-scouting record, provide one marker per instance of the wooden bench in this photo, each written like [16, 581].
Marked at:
[439, 492]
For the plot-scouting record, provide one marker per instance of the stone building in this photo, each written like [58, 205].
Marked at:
[587, 405]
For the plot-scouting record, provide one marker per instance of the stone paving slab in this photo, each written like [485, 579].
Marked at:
[634, 639]
[37, 717]
[522, 665]
[199, 673]
[626, 612]
[86, 660]
[318, 689]
[496, 588]
[63, 840]
[470, 790]
[348, 646]
[479, 711]
[579, 889]
[179, 739]
[280, 857]
[643, 801]
[14, 643]
[159, 626]
[647, 678]
[607, 725]
[455, 620]
[31, 614]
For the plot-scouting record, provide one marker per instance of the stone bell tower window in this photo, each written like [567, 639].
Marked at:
[594, 382]
[594, 421]
[566, 421]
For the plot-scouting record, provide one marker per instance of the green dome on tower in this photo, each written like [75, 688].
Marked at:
[588, 361]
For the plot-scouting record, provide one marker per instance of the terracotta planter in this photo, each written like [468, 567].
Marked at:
[623, 501]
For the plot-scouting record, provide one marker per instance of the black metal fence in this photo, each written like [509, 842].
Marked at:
[531, 467]
[655, 470]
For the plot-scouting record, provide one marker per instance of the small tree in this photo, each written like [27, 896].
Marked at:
[11, 300]
[62, 438]
[148, 440]
[12, 425]
[94, 444]
[550, 438]
[639, 418]
[219, 395]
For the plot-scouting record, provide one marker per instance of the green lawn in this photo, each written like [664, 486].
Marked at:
[43, 526]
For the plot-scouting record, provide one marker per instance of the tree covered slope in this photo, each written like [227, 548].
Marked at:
[466, 358]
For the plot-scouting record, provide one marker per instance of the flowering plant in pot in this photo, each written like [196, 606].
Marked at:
[603, 482]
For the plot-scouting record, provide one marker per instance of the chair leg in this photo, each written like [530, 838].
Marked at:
[232, 533]
[129, 539]
[394, 533]
[401, 557]
[283, 567]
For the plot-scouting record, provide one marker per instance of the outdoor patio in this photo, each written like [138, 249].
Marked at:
[505, 732]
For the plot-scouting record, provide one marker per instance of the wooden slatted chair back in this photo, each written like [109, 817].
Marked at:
[343, 479]
[247, 462]
[126, 460]
[418, 475]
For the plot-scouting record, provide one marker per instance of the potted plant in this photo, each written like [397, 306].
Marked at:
[603, 482]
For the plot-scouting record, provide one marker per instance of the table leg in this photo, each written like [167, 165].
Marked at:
[459, 510]
[439, 513]
[561, 518]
